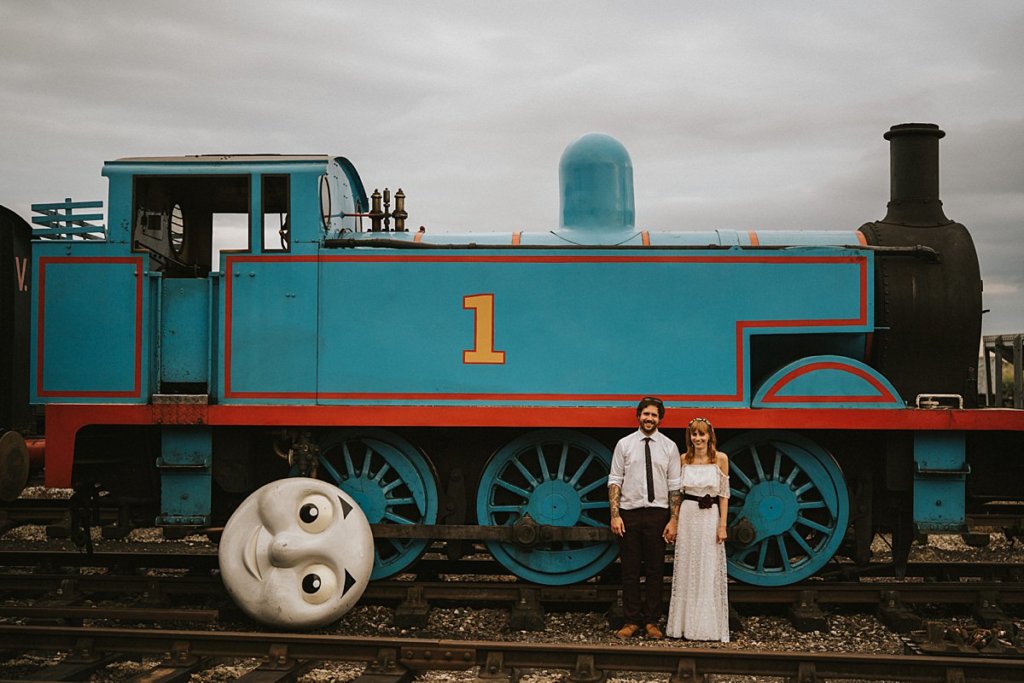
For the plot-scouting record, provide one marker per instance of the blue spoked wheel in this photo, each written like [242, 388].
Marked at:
[792, 492]
[393, 483]
[558, 478]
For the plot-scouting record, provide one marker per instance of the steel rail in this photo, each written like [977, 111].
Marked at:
[475, 592]
[143, 614]
[505, 660]
[169, 555]
[46, 511]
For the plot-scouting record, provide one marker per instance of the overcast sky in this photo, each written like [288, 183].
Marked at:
[737, 115]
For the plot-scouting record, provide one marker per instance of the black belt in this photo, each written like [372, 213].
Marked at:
[703, 502]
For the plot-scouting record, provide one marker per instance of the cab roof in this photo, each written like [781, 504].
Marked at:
[224, 158]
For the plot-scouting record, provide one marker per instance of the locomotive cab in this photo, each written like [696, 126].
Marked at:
[162, 271]
[186, 212]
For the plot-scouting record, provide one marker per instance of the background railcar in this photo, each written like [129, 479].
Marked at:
[244, 318]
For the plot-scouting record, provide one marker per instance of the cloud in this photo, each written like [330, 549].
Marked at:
[756, 116]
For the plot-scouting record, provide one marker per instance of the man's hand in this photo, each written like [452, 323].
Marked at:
[618, 526]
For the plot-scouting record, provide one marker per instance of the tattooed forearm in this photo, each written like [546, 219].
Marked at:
[674, 499]
[614, 493]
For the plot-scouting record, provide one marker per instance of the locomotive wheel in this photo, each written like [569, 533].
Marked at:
[393, 483]
[558, 478]
[790, 499]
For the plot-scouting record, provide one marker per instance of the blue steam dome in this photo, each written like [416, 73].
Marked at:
[596, 178]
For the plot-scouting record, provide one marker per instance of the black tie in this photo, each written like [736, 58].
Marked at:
[650, 470]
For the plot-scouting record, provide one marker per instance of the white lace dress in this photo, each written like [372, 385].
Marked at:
[699, 609]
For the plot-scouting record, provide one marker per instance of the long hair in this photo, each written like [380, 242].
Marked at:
[701, 425]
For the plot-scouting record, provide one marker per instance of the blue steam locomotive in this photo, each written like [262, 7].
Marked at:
[239, 319]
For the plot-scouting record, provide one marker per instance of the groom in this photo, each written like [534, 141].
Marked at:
[643, 491]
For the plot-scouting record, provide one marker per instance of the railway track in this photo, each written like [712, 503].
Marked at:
[203, 557]
[394, 660]
[477, 593]
[118, 517]
[145, 598]
[165, 587]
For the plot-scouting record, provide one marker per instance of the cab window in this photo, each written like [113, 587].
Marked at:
[276, 226]
[185, 222]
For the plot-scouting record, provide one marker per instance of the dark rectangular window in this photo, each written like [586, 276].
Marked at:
[276, 208]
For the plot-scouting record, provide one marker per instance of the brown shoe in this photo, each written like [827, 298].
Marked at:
[654, 632]
[627, 631]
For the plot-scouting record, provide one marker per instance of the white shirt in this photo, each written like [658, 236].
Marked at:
[629, 470]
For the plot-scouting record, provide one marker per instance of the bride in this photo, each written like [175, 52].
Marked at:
[699, 609]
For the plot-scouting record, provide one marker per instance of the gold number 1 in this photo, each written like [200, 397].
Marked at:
[483, 331]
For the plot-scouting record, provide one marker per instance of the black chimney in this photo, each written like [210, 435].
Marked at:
[914, 175]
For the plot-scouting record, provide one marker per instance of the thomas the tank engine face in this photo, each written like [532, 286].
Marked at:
[297, 553]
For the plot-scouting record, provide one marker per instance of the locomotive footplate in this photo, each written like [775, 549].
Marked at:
[523, 534]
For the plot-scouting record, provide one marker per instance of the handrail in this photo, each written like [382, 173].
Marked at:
[997, 349]
[61, 221]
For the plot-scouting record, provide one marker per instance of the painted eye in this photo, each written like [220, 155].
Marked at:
[310, 583]
[315, 513]
[309, 513]
[319, 584]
